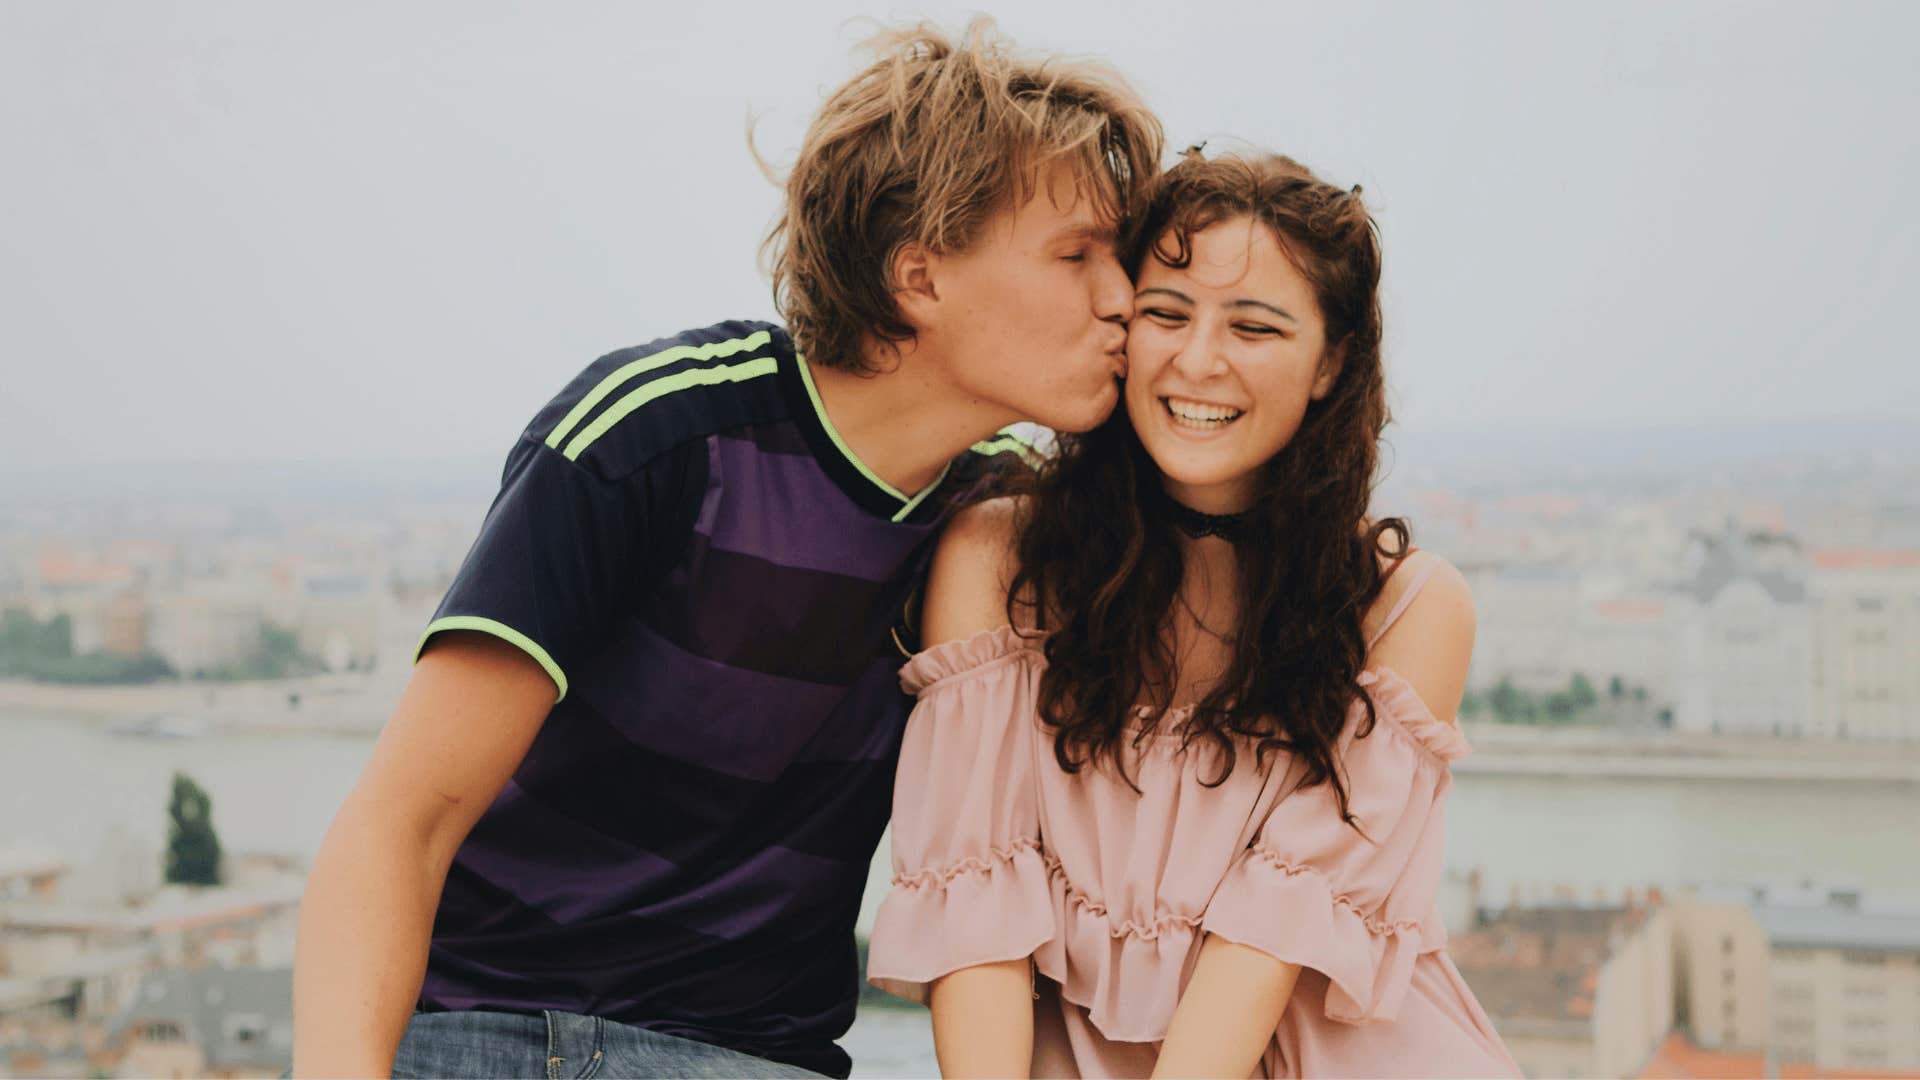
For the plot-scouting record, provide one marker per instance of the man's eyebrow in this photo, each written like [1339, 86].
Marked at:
[1103, 232]
[1180, 296]
[1282, 312]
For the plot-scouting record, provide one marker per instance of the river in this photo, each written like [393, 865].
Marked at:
[66, 781]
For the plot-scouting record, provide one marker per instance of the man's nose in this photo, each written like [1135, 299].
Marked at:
[1113, 292]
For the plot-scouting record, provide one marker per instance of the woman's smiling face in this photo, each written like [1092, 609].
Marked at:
[1224, 356]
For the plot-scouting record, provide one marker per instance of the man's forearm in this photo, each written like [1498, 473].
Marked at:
[365, 922]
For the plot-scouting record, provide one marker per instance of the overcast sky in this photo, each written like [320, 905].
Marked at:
[372, 231]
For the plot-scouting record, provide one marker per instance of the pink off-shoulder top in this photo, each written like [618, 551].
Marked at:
[999, 854]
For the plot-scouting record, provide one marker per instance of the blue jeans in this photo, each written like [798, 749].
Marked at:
[562, 1044]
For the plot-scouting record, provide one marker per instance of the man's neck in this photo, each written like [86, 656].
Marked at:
[907, 422]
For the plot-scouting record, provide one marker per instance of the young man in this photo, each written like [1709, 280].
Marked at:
[621, 818]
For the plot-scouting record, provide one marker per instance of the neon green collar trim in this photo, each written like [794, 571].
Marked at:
[833, 435]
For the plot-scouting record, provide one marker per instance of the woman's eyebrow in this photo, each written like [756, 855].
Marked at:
[1282, 312]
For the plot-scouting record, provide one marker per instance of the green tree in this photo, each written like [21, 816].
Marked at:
[193, 851]
[1581, 692]
[1507, 702]
[1616, 688]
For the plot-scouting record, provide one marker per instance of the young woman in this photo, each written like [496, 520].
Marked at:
[1170, 801]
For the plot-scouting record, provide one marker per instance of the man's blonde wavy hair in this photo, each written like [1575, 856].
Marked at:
[925, 145]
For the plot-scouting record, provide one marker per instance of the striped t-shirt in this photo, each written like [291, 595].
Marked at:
[716, 585]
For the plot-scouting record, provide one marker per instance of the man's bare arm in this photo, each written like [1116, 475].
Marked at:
[461, 727]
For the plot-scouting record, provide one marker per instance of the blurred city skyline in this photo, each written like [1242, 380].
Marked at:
[284, 283]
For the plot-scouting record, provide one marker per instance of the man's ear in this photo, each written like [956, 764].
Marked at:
[1331, 361]
[910, 277]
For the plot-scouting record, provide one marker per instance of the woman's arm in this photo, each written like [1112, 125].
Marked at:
[1237, 994]
[982, 1016]
[1228, 1012]
[983, 1020]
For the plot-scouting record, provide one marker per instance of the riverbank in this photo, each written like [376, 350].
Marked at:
[1522, 750]
[358, 703]
[348, 703]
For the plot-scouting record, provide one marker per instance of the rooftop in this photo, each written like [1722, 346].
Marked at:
[1679, 1059]
[1539, 967]
[241, 1018]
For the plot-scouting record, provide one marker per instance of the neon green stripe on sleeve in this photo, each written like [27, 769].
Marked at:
[1001, 446]
[659, 388]
[505, 633]
[631, 370]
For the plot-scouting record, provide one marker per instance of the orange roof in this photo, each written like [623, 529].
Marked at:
[1679, 1059]
[1865, 559]
[62, 568]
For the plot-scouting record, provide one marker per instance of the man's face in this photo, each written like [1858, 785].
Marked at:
[1032, 316]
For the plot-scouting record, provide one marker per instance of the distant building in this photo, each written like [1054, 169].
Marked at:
[1866, 644]
[206, 626]
[1575, 992]
[1747, 656]
[124, 625]
[213, 1022]
[1680, 1059]
[1525, 631]
[1721, 965]
[1845, 983]
[1633, 637]
[186, 927]
[337, 618]
[29, 873]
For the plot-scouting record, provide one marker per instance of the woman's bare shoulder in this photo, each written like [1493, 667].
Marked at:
[973, 566]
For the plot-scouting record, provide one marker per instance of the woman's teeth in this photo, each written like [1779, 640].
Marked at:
[1196, 414]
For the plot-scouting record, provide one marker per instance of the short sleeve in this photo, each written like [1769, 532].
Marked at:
[1311, 890]
[970, 883]
[562, 555]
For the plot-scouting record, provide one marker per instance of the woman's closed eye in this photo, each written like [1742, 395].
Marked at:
[1164, 317]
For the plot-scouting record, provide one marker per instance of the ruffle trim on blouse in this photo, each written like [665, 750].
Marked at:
[1293, 914]
[1089, 954]
[1396, 702]
[1088, 906]
[977, 911]
[943, 875]
[950, 658]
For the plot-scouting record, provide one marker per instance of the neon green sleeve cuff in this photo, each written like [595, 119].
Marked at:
[505, 633]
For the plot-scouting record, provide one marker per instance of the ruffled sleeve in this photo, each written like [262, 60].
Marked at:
[1312, 891]
[970, 885]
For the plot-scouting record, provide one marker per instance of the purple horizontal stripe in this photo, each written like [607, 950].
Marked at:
[787, 511]
[867, 726]
[730, 720]
[574, 874]
[557, 865]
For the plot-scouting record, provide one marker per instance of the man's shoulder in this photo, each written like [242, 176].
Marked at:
[993, 465]
[635, 404]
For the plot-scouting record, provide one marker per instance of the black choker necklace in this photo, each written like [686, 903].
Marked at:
[1199, 524]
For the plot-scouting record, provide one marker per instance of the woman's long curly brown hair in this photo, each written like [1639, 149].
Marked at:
[1110, 566]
